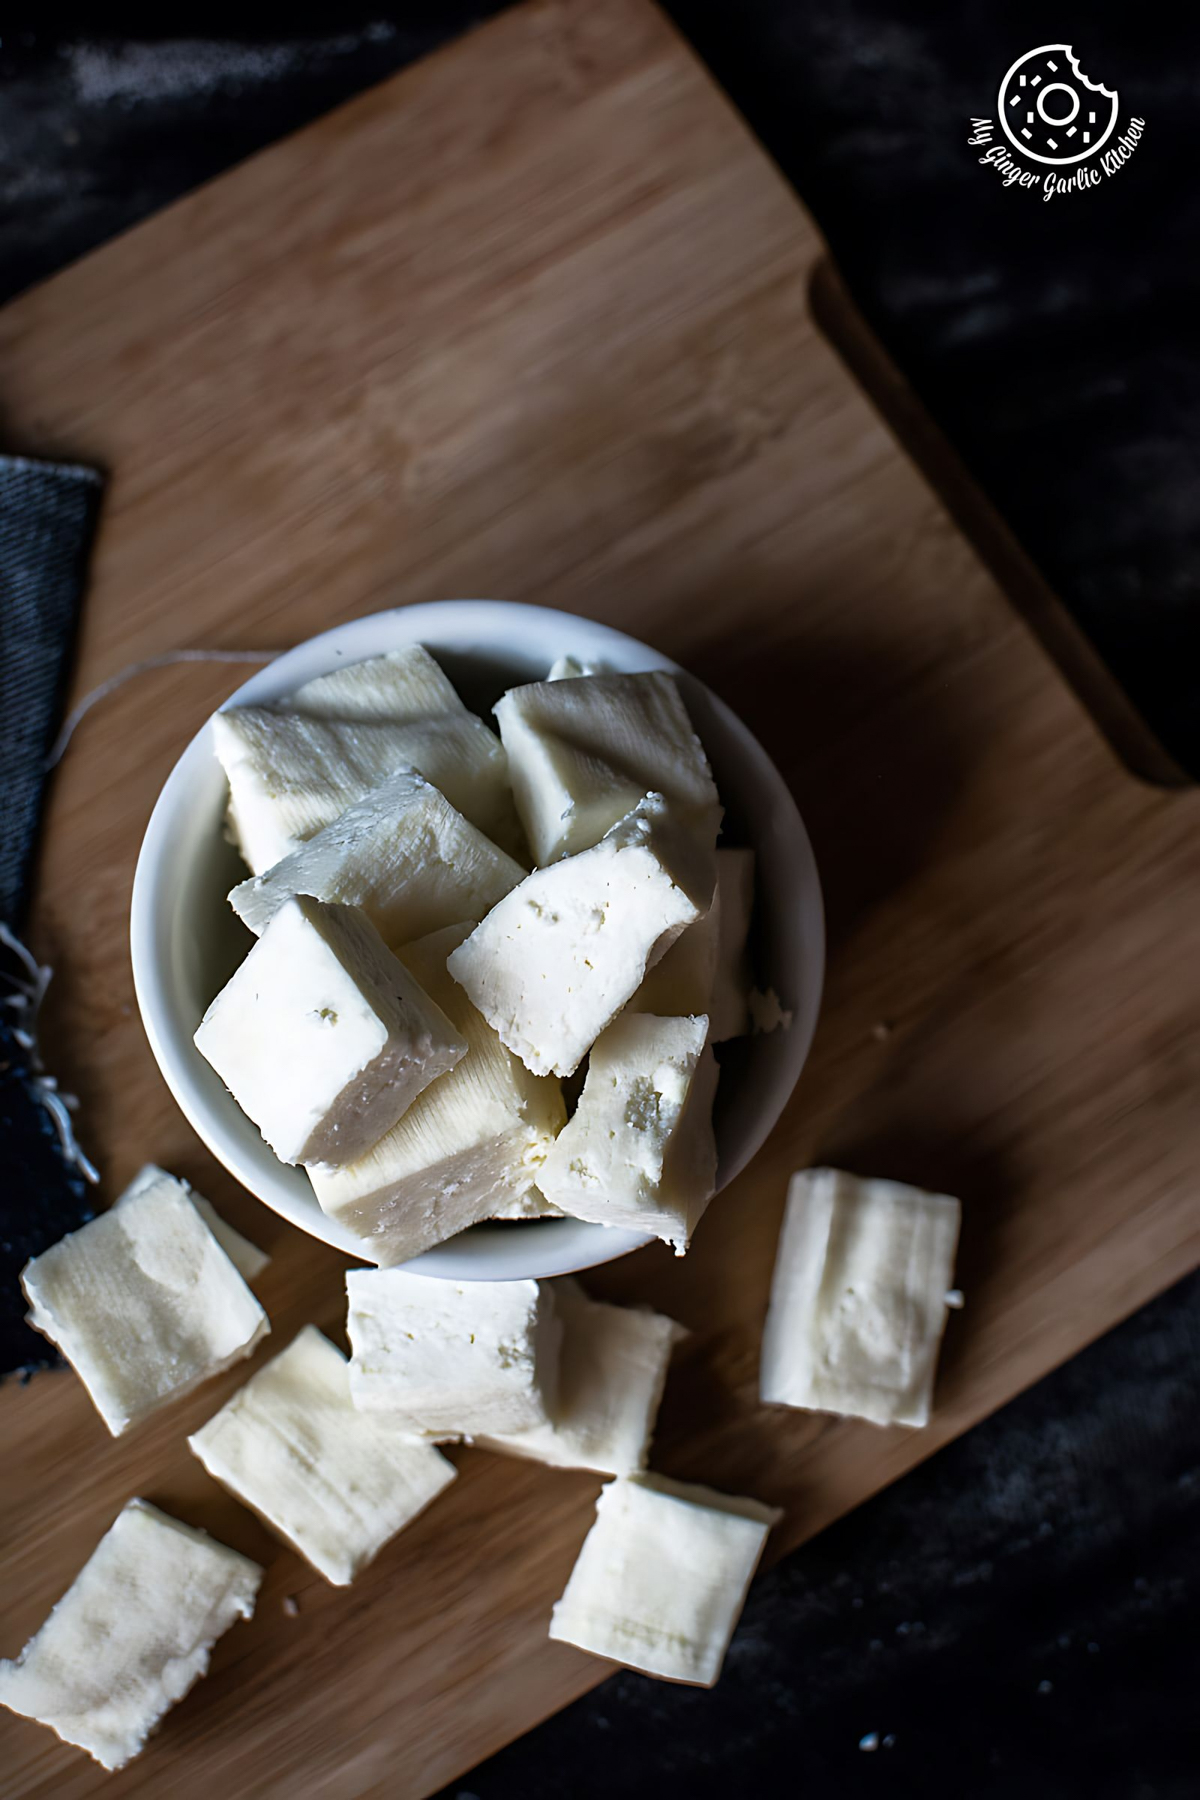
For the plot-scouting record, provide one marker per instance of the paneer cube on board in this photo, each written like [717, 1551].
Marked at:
[403, 853]
[858, 1298]
[470, 1145]
[294, 767]
[639, 1151]
[611, 1374]
[131, 1635]
[662, 1577]
[333, 1482]
[447, 1359]
[557, 958]
[322, 1035]
[581, 753]
[247, 1258]
[143, 1302]
[707, 968]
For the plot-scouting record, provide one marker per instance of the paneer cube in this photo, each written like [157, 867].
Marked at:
[247, 1258]
[403, 853]
[662, 1577]
[858, 1298]
[611, 1373]
[557, 958]
[333, 1482]
[131, 1635]
[448, 1359]
[143, 1302]
[295, 767]
[581, 753]
[639, 1152]
[323, 1037]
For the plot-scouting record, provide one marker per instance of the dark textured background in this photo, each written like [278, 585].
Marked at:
[1019, 1614]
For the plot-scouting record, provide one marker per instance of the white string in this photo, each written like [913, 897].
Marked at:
[26, 1001]
[114, 682]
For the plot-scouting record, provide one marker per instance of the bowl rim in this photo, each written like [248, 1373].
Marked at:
[512, 1249]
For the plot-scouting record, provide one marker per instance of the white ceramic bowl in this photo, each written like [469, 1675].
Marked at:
[186, 941]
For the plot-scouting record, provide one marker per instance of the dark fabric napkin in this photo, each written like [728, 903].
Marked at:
[47, 519]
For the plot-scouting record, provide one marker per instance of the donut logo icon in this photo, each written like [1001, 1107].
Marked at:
[1050, 111]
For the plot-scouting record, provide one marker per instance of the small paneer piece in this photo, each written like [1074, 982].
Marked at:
[446, 1359]
[323, 1037]
[639, 1152]
[247, 1258]
[143, 1302]
[294, 767]
[402, 853]
[611, 1374]
[532, 1204]
[662, 1577]
[858, 1298]
[707, 969]
[333, 1482]
[558, 957]
[570, 668]
[131, 1635]
[471, 1145]
[582, 752]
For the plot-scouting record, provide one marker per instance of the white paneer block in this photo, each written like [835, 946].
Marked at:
[453, 748]
[402, 853]
[611, 1374]
[447, 1359]
[470, 1145]
[131, 1635]
[858, 1298]
[143, 1302]
[662, 1577]
[333, 1482]
[294, 767]
[639, 1152]
[707, 969]
[581, 753]
[323, 1037]
[558, 957]
[247, 1258]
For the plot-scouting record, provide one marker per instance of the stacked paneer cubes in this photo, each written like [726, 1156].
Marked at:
[450, 923]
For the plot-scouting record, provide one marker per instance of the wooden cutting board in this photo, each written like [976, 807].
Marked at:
[532, 320]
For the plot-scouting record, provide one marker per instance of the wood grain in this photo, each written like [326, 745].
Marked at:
[532, 320]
